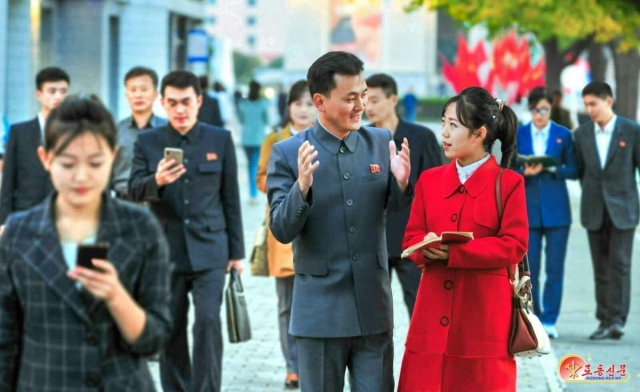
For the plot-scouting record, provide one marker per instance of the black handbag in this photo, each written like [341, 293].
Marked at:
[238, 324]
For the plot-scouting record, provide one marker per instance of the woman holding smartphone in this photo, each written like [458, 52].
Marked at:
[301, 115]
[67, 327]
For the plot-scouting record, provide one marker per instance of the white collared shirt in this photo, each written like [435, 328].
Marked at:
[293, 130]
[465, 172]
[603, 139]
[42, 122]
[540, 138]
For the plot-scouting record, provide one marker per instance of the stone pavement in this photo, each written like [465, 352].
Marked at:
[258, 366]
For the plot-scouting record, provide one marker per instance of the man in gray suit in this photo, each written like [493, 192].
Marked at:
[608, 153]
[328, 189]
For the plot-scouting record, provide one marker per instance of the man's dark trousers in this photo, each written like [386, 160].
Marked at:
[206, 287]
[611, 250]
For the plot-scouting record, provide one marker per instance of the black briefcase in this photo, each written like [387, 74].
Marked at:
[237, 313]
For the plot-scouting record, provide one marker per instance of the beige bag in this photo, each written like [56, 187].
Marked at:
[259, 264]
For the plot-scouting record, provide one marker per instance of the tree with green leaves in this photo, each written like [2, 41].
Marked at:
[566, 28]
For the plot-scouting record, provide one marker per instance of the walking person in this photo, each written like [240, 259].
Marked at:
[608, 154]
[209, 112]
[329, 188]
[254, 117]
[65, 327]
[25, 183]
[141, 91]
[301, 115]
[381, 110]
[459, 332]
[198, 203]
[548, 206]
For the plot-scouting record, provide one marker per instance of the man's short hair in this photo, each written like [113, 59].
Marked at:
[321, 75]
[51, 74]
[182, 80]
[142, 71]
[204, 82]
[600, 89]
[385, 82]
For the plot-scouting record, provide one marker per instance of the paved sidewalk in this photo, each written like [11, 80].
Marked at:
[258, 366]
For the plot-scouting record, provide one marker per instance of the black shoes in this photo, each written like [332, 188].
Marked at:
[600, 334]
[616, 331]
[291, 381]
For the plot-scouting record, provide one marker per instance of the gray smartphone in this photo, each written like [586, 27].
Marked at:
[174, 153]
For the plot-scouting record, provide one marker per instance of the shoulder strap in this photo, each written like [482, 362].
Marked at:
[523, 266]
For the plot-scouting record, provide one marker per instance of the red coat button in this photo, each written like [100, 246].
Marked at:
[448, 284]
[444, 321]
[454, 217]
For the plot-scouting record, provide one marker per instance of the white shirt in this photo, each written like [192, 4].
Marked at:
[603, 139]
[293, 130]
[464, 173]
[42, 121]
[540, 138]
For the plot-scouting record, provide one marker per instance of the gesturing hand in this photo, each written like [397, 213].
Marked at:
[400, 163]
[103, 284]
[306, 155]
[168, 172]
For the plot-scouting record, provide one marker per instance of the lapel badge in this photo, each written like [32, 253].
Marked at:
[622, 144]
[559, 141]
[374, 168]
[212, 156]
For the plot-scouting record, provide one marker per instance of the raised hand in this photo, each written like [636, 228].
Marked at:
[400, 163]
[306, 154]
[168, 172]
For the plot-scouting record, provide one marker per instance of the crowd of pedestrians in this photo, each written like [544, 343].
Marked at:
[160, 196]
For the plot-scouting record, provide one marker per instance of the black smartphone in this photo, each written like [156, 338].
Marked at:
[94, 251]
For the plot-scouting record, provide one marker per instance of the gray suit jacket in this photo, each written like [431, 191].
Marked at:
[342, 283]
[613, 187]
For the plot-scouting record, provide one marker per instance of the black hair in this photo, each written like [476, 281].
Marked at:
[254, 91]
[321, 75]
[297, 91]
[75, 116]
[557, 93]
[142, 71]
[204, 82]
[385, 82]
[182, 80]
[538, 94]
[218, 87]
[51, 74]
[475, 108]
[600, 89]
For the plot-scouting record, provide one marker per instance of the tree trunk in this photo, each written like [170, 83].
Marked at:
[597, 62]
[557, 59]
[627, 67]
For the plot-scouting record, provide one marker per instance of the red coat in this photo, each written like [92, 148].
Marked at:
[457, 339]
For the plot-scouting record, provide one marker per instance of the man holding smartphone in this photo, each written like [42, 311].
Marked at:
[198, 203]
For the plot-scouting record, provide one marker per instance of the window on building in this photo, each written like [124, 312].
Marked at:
[251, 20]
[211, 2]
[251, 41]
[251, 3]
[211, 20]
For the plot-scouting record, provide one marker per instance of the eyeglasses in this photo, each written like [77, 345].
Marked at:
[540, 111]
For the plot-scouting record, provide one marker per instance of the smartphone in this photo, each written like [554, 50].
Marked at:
[173, 153]
[93, 251]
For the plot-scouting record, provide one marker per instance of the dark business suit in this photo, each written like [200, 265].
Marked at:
[209, 112]
[342, 309]
[609, 211]
[25, 183]
[200, 213]
[55, 337]
[426, 153]
[549, 215]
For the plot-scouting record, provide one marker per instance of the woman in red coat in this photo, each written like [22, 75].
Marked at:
[458, 335]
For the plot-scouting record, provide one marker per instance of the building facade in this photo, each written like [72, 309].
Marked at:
[95, 41]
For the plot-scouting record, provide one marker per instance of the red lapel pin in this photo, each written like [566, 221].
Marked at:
[374, 168]
[559, 140]
[622, 144]
[212, 156]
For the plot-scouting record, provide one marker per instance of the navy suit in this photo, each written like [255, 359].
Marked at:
[200, 213]
[25, 182]
[342, 308]
[426, 153]
[549, 215]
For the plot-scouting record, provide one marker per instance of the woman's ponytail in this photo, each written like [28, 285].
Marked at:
[507, 135]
